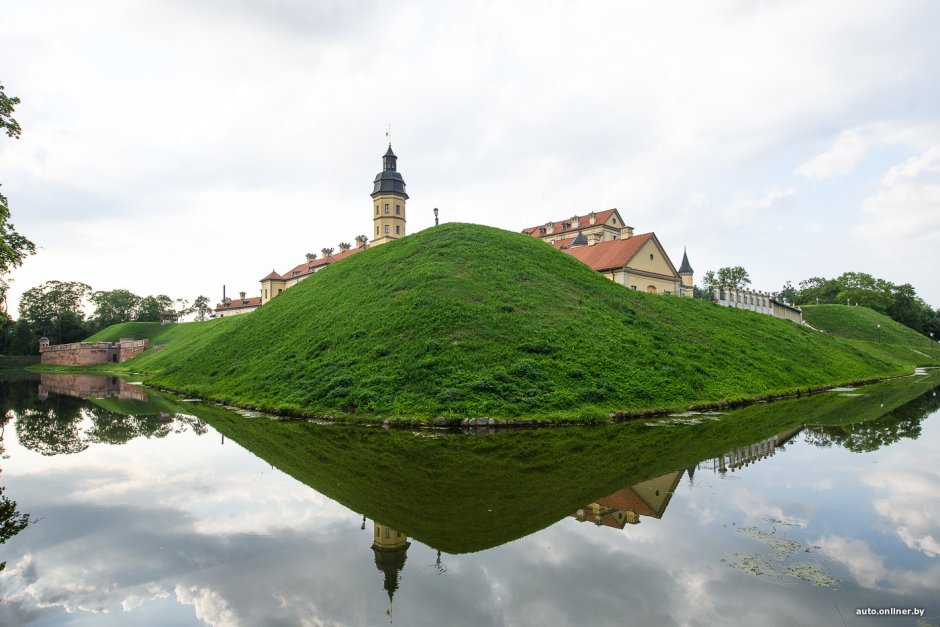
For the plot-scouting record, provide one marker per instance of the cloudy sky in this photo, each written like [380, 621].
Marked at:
[176, 147]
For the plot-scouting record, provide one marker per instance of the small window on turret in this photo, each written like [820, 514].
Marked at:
[376, 229]
[376, 210]
[386, 229]
[397, 210]
[397, 230]
[386, 207]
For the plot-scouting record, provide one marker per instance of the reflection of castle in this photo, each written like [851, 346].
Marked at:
[89, 386]
[390, 547]
[647, 498]
[746, 455]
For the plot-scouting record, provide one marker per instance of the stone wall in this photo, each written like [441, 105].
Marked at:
[91, 353]
[90, 386]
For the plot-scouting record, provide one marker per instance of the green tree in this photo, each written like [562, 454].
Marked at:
[735, 277]
[56, 309]
[14, 248]
[151, 307]
[114, 306]
[202, 308]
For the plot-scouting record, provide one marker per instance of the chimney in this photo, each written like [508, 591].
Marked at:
[310, 257]
[549, 228]
[344, 246]
[629, 231]
[576, 222]
[242, 294]
[592, 218]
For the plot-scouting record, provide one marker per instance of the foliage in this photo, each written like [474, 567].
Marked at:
[466, 320]
[14, 248]
[55, 309]
[115, 306]
[729, 277]
[899, 302]
[202, 308]
[151, 308]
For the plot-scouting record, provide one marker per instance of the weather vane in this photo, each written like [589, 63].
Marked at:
[388, 134]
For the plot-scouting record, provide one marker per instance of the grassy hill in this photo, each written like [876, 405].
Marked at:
[464, 320]
[861, 323]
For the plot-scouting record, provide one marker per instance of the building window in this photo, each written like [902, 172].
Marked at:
[633, 287]
[397, 210]
[376, 210]
[265, 292]
[388, 532]
[667, 292]
[386, 207]
[279, 290]
[376, 229]
[651, 256]
[397, 230]
[386, 229]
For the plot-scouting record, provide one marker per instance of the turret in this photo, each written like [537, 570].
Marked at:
[686, 273]
[388, 201]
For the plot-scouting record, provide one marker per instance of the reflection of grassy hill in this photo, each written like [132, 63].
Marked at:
[861, 323]
[155, 404]
[462, 493]
[466, 320]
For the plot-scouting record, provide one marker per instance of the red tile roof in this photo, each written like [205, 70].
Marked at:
[609, 255]
[309, 267]
[559, 243]
[239, 303]
[583, 223]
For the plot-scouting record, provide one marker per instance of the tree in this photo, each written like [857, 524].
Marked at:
[152, 307]
[729, 277]
[202, 308]
[14, 248]
[56, 309]
[114, 306]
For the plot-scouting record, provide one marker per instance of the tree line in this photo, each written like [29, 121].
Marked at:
[56, 310]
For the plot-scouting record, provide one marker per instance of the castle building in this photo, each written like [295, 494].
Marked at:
[603, 241]
[388, 196]
[388, 199]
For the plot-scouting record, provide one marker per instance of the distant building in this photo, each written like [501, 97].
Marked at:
[603, 241]
[760, 302]
[233, 307]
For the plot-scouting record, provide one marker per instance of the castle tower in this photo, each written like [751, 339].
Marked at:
[390, 547]
[686, 273]
[388, 201]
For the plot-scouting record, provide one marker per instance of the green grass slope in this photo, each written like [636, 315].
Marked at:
[861, 323]
[465, 320]
[134, 330]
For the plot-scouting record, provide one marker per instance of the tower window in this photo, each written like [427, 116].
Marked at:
[397, 230]
[388, 532]
[376, 210]
[397, 210]
[386, 229]
[376, 229]
[386, 207]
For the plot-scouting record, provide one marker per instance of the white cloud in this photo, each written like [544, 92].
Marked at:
[863, 564]
[209, 605]
[905, 207]
[750, 208]
[850, 148]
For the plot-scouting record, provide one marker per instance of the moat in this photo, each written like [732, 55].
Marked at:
[125, 506]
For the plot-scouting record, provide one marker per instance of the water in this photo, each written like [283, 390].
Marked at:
[143, 509]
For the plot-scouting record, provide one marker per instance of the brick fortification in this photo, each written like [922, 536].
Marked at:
[89, 353]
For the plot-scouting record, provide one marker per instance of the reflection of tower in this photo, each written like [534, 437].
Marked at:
[390, 548]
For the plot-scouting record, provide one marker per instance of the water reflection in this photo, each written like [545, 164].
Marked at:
[68, 413]
[239, 543]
